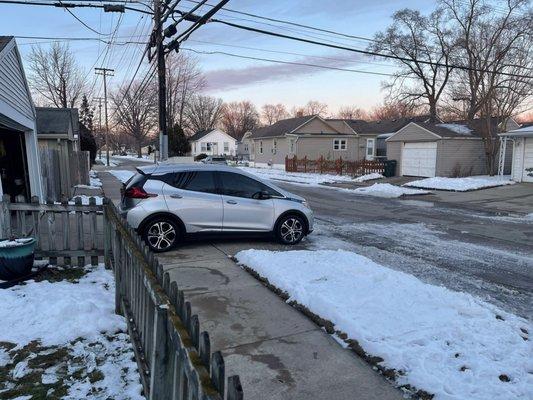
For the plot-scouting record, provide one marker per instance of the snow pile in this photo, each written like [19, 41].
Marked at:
[79, 317]
[14, 243]
[302, 178]
[122, 175]
[368, 177]
[447, 343]
[388, 191]
[145, 158]
[94, 181]
[461, 184]
[457, 128]
[85, 199]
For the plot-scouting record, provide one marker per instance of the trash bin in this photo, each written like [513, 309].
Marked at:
[390, 168]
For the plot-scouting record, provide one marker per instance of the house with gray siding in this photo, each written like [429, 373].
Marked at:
[20, 172]
[439, 149]
[308, 136]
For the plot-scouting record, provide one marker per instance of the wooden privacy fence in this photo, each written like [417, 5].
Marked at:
[63, 169]
[338, 166]
[174, 357]
[63, 231]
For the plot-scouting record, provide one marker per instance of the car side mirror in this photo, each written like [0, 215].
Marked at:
[262, 195]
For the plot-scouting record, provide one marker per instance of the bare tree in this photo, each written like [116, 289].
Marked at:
[239, 118]
[184, 80]
[495, 47]
[202, 113]
[393, 110]
[351, 112]
[55, 75]
[313, 107]
[272, 113]
[418, 40]
[136, 115]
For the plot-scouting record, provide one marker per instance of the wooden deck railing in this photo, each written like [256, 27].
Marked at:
[338, 166]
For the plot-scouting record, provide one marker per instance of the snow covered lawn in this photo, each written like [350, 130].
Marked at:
[449, 344]
[144, 158]
[62, 339]
[122, 175]
[461, 184]
[303, 177]
[388, 191]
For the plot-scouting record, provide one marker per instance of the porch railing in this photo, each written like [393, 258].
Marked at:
[173, 355]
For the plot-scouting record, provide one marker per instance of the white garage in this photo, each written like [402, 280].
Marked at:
[419, 159]
[521, 141]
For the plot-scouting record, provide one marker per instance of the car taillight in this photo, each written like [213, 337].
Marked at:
[137, 193]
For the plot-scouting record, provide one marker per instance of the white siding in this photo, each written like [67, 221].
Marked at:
[217, 140]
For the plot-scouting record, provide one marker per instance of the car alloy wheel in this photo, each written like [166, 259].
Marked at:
[161, 235]
[291, 230]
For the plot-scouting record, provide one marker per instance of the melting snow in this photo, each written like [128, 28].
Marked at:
[461, 184]
[388, 191]
[448, 343]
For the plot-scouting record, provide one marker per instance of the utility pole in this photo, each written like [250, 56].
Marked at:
[105, 72]
[162, 85]
[99, 99]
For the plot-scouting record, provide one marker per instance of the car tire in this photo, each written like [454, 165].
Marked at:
[161, 234]
[290, 229]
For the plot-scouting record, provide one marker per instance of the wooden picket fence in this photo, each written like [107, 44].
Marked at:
[173, 355]
[338, 166]
[65, 231]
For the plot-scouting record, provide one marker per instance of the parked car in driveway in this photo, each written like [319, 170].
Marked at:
[214, 160]
[167, 202]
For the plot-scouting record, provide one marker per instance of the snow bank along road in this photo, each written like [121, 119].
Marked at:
[446, 343]
[490, 257]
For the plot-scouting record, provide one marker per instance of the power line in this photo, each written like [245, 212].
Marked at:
[360, 51]
[289, 22]
[288, 62]
[83, 22]
[106, 7]
[67, 39]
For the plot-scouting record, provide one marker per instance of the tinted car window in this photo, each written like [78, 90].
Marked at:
[242, 186]
[136, 180]
[196, 181]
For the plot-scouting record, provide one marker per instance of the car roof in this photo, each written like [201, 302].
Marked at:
[166, 168]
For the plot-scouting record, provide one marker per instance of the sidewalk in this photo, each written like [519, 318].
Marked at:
[277, 351]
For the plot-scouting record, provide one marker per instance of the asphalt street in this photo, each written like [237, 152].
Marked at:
[477, 252]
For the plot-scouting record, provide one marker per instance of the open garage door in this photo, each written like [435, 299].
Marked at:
[419, 159]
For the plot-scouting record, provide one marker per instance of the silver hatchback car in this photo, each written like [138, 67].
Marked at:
[168, 202]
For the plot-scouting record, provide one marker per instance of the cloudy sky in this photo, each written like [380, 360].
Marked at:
[230, 77]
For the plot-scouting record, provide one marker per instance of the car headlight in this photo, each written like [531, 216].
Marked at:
[303, 202]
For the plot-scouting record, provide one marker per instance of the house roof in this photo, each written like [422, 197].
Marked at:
[524, 131]
[4, 40]
[383, 126]
[56, 121]
[200, 134]
[281, 127]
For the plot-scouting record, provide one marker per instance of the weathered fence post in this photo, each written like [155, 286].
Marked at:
[5, 217]
[160, 356]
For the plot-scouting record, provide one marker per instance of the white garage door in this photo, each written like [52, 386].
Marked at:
[419, 159]
[528, 159]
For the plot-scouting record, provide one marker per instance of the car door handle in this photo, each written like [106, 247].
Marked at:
[176, 196]
[231, 202]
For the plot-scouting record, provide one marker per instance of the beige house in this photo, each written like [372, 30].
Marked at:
[443, 149]
[308, 136]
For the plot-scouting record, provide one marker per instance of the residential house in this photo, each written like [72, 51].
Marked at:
[213, 142]
[372, 134]
[58, 136]
[440, 149]
[308, 136]
[20, 172]
[522, 153]
[245, 147]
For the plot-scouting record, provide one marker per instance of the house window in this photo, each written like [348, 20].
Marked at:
[226, 147]
[274, 147]
[204, 146]
[370, 148]
[339, 144]
[260, 147]
[246, 147]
